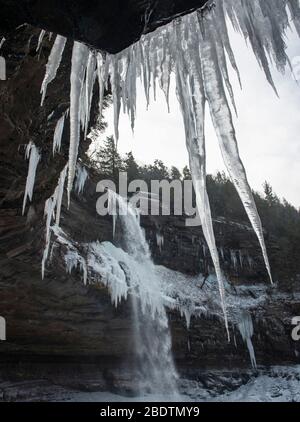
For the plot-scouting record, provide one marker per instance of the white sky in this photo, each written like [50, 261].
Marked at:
[268, 128]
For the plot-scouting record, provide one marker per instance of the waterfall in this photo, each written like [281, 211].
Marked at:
[155, 367]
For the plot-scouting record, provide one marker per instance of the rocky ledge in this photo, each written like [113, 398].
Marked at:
[109, 26]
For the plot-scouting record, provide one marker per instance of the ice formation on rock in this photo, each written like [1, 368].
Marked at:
[245, 327]
[81, 178]
[32, 153]
[196, 48]
[125, 270]
[52, 213]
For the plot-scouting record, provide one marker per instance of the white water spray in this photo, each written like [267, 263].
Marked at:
[154, 362]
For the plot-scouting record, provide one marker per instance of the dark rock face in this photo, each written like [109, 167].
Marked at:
[59, 326]
[106, 25]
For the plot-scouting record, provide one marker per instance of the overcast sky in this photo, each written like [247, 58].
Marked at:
[268, 128]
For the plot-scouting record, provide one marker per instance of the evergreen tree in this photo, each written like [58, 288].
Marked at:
[175, 173]
[186, 173]
[131, 167]
[108, 159]
[270, 197]
[160, 170]
[155, 171]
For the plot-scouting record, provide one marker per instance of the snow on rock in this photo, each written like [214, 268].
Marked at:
[104, 268]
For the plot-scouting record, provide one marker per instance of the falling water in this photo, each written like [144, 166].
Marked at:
[155, 367]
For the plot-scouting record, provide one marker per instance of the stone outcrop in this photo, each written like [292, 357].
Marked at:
[58, 325]
[106, 25]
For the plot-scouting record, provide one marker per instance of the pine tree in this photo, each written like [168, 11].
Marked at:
[270, 197]
[131, 167]
[161, 172]
[175, 173]
[186, 173]
[108, 159]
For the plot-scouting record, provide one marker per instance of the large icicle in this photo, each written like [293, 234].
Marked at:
[34, 158]
[101, 66]
[79, 63]
[222, 120]
[53, 64]
[192, 100]
[88, 96]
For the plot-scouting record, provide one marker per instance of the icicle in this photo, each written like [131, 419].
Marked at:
[34, 158]
[246, 330]
[88, 96]
[49, 214]
[79, 61]
[41, 37]
[58, 134]
[52, 211]
[233, 259]
[81, 178]
[102, 76]
[250, 262]
[116, 91]
[3, 39]
[59, 194]
[73, 260]
[53, 64]
[222, 120]
[241, 259]
[160, 241]
[112, 207]
[192, 100]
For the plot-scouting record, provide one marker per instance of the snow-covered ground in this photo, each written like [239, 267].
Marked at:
[278, 384]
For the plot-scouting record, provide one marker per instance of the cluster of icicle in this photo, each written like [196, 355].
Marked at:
[196, 48]
[53, 206]
[53, 212]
